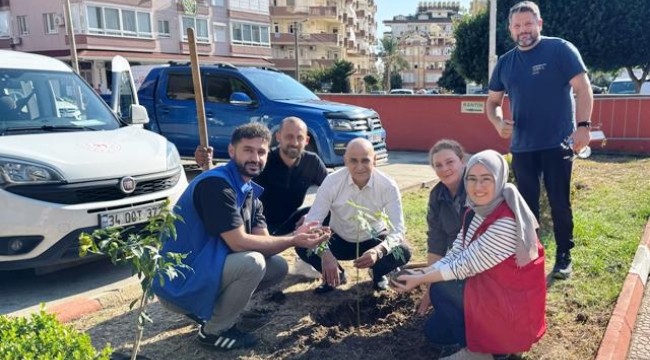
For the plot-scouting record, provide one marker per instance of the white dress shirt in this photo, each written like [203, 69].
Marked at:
[380, 194]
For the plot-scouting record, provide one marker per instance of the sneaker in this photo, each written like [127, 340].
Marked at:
[382, 284]
[562, 269]
[230, 339]
[325, 288]
[465, 354]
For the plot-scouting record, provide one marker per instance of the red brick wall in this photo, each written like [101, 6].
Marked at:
[415, 123]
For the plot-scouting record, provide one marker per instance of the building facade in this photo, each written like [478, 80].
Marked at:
[426, 41]
[143, 31]
[324, 31]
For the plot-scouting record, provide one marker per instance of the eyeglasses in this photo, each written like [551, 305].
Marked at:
[484, 181]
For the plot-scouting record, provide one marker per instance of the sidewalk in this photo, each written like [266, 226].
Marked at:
[640, 346]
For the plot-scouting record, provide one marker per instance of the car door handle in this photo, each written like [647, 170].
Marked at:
[165, 111]
[209, 114]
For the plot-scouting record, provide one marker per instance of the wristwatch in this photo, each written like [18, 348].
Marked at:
[586, 124]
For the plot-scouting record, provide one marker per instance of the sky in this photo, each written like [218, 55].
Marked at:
[386, 9]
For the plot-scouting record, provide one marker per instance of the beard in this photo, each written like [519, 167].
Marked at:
[291, 152]
[250, 169]
[532, 38]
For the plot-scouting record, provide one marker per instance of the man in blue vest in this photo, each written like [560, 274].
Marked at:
[227, 244]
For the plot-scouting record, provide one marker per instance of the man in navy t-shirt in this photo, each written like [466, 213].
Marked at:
[539, 76]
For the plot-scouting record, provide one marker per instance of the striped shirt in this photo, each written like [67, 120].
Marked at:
[465, 259]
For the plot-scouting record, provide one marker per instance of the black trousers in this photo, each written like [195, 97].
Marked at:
[345, 250]
[553, 166]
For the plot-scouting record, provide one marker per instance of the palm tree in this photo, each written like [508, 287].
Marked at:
[392, 59]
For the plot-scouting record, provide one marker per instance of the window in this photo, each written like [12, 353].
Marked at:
[217, 2]
[163, 28]
[180, 87]
[119, 22]
[251, 34]
[49, 23]
[200, 29]
[22, 25]
[5, 17]
[219, 33]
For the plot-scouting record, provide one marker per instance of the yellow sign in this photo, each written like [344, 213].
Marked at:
[189, 7]
[472, 107]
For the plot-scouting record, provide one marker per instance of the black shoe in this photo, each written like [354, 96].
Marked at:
[562, 269]
[325, 288]
[230, 339]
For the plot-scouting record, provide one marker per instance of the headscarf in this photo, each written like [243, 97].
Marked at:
[526, 224]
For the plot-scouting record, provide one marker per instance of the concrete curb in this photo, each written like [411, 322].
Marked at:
[618, 335]
[79, 307]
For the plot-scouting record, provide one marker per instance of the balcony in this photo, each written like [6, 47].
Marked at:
[323, 12]
[302, 12]
[250, 51]
[430, 58]
[319, 39]
[97, 42]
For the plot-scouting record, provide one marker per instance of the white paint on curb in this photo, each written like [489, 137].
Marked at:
[641, 263]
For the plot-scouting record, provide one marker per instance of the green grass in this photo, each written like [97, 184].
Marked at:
[611, 205]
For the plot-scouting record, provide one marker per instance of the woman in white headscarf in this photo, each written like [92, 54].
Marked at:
[489, 291]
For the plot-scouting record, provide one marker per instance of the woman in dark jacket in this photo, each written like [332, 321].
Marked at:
[446, 204]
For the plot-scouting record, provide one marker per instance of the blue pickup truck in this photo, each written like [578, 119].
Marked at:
[235, 96]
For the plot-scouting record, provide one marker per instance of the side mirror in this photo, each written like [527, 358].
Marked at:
[138, 115]
[123, 91]
[240, 98]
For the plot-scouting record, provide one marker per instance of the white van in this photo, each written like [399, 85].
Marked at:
[68, 164]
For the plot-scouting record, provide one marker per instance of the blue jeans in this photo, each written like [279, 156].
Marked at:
[446, 326]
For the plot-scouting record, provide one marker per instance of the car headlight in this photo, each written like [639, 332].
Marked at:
[340, 124]
[173, 158]
[19, 172]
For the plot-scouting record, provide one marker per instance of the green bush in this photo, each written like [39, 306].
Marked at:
[43, 337]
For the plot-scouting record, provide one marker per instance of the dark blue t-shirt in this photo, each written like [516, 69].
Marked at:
[541, 99]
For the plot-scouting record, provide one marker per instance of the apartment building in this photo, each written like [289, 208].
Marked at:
[426, 41]
[143, 31]
[324, 31]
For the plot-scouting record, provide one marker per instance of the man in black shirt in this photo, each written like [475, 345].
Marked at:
[289, 173]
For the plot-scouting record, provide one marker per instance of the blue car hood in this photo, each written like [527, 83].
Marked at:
[333, 109]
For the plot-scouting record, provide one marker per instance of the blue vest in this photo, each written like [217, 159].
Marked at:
[196, 290]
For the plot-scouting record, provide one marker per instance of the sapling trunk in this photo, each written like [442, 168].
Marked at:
[138, 334]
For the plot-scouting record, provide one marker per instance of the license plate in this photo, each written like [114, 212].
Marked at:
[130, 216]
[374, 138]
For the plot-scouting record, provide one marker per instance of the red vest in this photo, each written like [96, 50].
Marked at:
[505, 305]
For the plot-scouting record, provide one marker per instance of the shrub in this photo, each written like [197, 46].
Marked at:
[42, 337]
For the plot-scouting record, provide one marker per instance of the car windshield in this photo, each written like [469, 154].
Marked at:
[279, 86]
[40, 101]
[622, 87]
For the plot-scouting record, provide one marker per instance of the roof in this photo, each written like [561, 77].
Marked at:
[10, 59]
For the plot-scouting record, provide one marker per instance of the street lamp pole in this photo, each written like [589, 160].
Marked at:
[492, 57]
[73, 43]
[295, 38]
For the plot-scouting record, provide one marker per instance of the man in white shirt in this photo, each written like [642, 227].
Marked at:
[381, 250]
